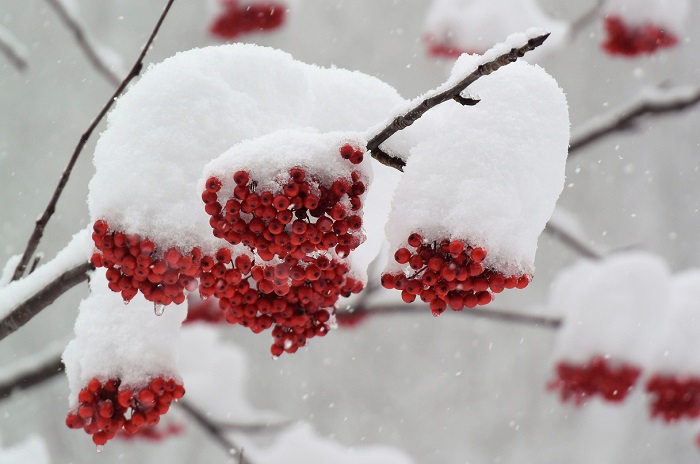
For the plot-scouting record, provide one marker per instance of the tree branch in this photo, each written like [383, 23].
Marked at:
[12, 49]
[584, 20]
[572, 241]
[81, 37]
[656, 103]
[34, 376]
[452, 93]
[43, 298]
[217, 433]
[40, 224]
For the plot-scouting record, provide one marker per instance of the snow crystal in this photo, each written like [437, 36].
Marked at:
[488, 174]
[669, 13]
[612, 308]
[114, 340]
[301, 445]
[195, 106]
[32, 450]
[473, 26]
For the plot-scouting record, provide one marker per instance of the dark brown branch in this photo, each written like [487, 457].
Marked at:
[13, 55]
[33, 377]
[51, 207]
[217, 433]
[82, 39]
[405, 120]
[626, 118]
[35, 263]
[572, 241]
[488, 313]
[43, 298]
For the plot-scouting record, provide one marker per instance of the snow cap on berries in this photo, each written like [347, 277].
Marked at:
[489, 174]
[114, 340]
[611, 308]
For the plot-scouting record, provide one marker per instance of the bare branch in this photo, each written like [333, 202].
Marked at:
[34, 376]
[655, 103]
[572, 241]
[255, 428]
[587, 18]
[43, 298]
[12, 49]
[82, 38]
[217, 433]
[51, 207]
[452, 93]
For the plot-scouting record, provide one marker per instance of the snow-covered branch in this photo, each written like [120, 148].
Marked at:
[40, 224]
[650, 102]
[86, 45]
[491, 61]
[15, 52]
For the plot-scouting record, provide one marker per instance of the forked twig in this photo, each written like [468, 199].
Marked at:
[40, 224]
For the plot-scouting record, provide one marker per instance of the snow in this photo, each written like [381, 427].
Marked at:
[115, 340]
[216, 381]
[301, 445]
[668, 13]
[9, 269]
[15, 293]
[473, 26]
[613, 308]
[488, 174]
[191, 108]
[32, 450]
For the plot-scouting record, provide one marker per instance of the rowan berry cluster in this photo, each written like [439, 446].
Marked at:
[579, 382]
[135, 264]
[447, 273]
[623, 39]
[237, 19]
[674, 397]
[105, 408]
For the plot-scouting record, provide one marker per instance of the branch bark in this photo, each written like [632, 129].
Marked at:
[40, 224]
[43, 298]
[624, 119]
[453, 93]
[83, 41]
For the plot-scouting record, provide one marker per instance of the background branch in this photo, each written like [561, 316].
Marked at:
[82, 38]
[40, 224]
[657, 102]
[452, 93]
[12, 49]
[587, 18]
[35, 375]
[572, 241]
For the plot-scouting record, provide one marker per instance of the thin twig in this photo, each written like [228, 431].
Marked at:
[405, 120]
[43, 298]
[35, 263]
[572, 241]
[12, 51]
[625, 118]
[51, 207]
[217, 433]
[584, 20]
[254, 428]
[81, 37]
[32, 377]
[487, 313]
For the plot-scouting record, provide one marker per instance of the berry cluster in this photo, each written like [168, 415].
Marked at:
[304, 217]
[674, 397]
[447, 273]
[105, 408]
[441, 49]
[203, 310]
[577, 383]
[135, 264]
[237, 20]
[295, 296]
[623, 39]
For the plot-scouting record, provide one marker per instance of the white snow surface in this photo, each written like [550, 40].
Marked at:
[77, 251]
[474, 26]
[191, 108]
[33, 450]
[116, 340]
[668, 13]
[488, 174]
[301, 445]
[215, 373]
[613, 308]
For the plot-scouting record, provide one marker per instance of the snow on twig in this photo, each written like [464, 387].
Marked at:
[13, 49]
[492, 60]
[21, 300]
[91, 50]
[40, 224]
[650, 102]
